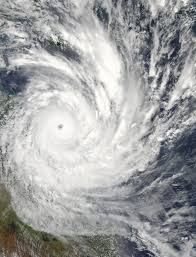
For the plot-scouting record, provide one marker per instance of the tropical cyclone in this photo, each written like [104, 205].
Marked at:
[90, 115]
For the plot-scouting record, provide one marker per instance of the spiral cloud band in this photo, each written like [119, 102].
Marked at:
[71, 130]
[86, 121]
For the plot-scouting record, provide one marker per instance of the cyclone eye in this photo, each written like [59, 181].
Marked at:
[60, 126]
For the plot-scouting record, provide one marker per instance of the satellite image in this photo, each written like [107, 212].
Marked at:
[97, 128]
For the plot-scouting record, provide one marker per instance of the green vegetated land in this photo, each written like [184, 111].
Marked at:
[17, 237]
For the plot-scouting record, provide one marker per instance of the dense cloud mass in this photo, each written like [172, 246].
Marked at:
[97, 118]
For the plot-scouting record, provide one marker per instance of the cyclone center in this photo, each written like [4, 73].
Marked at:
[60, 126]
[55, 129]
